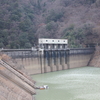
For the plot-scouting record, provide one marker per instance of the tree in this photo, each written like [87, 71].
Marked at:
[23, 39]
[28, 45]
[25, 25]
[54, 16]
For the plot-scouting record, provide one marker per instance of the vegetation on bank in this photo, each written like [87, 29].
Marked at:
[23, 22]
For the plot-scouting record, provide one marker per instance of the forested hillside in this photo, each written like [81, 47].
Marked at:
[22, 22]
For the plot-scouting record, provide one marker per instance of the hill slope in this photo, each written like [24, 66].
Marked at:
[23, 22]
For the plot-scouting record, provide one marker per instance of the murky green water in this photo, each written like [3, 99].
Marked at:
[73, 84]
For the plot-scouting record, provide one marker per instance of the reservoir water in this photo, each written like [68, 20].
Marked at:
[72, 84]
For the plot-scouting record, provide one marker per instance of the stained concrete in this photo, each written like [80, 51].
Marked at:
[12, 86]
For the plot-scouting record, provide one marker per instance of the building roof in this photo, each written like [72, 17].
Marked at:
[52, 41]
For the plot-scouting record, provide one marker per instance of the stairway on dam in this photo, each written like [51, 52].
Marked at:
[14, 84]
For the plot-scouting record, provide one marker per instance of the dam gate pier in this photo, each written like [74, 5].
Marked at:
[37, 61]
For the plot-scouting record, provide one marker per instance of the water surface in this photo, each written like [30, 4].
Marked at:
[73, 84]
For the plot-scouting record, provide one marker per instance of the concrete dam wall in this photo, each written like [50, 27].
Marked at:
[36, 62]
[14, 83]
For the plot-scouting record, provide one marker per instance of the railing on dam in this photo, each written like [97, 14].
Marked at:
[81, 51]
[22, 53]
[42, 61]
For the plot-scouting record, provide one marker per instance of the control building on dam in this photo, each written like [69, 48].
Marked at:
[51, 55]
[53, 44]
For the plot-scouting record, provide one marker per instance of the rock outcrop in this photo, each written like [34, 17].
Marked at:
[95, 61]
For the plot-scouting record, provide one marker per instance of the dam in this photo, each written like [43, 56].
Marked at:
[42, 63]
[37, 62]
[52, 55]
[63, 84]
